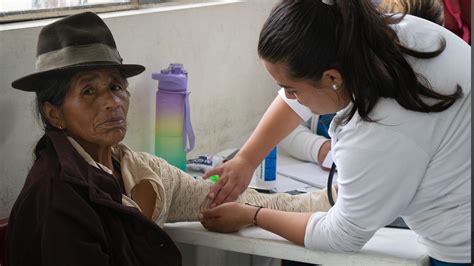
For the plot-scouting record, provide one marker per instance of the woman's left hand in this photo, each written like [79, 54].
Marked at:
[228, 217]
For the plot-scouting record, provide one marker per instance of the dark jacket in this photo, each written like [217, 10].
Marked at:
[70, 213]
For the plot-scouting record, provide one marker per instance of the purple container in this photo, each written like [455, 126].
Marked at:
[174, 135]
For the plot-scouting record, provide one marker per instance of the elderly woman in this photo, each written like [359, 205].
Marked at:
[88, 199]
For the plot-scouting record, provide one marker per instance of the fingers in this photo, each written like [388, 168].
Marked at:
[210, 225]
[222, 193]
[223, 218]
[212, 222]
[207, 214]
[208, 219]
[213, 171]
[234, 177]
[214, 190]
[233, 195]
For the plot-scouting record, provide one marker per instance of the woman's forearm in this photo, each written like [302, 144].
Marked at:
[289, 225]
[277, 122]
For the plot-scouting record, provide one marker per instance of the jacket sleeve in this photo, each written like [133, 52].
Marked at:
[71, 231]
[302, 143]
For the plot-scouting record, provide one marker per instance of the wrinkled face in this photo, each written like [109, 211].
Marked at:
[320, 98]
[95, 108]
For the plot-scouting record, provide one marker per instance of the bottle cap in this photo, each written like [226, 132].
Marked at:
[174, 68]
[214, 178]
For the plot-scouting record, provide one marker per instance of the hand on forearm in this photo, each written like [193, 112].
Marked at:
[234, 177]
[228, 217]
[231, 217]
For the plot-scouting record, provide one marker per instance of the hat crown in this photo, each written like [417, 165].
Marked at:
[76, 30]
[75, 43]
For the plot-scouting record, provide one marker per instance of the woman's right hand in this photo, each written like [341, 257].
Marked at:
[234, 178]
[234, 175]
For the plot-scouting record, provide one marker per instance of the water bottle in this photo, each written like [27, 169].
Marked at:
[174, 135]
[265, 173]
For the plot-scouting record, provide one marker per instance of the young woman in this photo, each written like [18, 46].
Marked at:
[89, 199]
[401, 139]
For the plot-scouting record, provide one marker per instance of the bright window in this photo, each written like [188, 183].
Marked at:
[18, 10]
[29, 5]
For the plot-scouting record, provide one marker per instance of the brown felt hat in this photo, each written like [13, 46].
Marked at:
[75, 43]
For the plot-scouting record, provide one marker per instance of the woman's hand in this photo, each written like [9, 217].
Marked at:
[228, 217]
[234, 177]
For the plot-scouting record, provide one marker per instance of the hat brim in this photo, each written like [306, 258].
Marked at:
[36, 81]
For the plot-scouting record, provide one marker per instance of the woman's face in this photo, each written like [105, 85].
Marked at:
[320, 98]
[95, 108]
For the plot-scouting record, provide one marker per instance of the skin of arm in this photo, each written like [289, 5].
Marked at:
[145, 197]
[234, 176]
[231, 217]
[323, 152]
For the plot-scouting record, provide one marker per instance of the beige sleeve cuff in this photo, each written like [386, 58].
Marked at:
[316, 201]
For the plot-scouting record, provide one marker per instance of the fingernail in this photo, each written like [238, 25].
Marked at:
[211, 195]
[200, 216]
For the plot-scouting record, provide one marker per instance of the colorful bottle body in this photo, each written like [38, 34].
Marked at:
[265, 173]
[174, 136]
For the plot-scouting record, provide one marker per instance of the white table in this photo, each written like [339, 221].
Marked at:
[388, 246]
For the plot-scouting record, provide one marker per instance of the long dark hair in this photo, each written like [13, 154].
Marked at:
[309, 37]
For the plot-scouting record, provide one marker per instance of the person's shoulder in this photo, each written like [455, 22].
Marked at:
[41, 186]
[385, 120]
[41, 174]
[444, 71]
[424, 35]
[138, 159]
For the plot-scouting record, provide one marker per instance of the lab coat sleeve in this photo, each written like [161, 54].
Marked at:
[300, 109]
[302, 143]
[378, 175]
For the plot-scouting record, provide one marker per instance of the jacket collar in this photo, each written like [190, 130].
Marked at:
[88, 157]
[102, 187]
[75, 169]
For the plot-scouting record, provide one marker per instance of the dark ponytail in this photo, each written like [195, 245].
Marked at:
[310, 37]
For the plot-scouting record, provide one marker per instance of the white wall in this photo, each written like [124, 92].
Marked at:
[230, 89]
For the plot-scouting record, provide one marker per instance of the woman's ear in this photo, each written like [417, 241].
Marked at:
[54, 115]
[332, 77]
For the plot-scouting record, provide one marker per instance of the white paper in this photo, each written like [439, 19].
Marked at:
[283, 184]
[308, 173]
